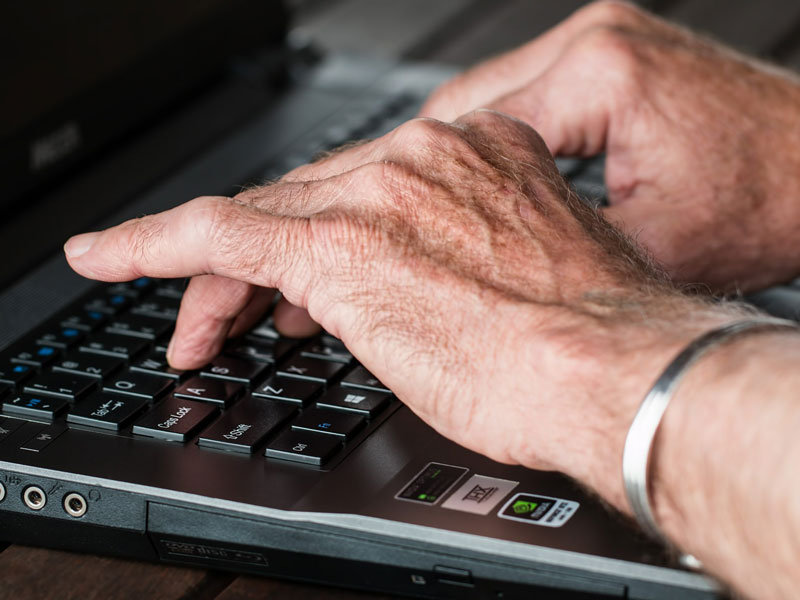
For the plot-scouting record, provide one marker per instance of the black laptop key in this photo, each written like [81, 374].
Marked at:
[62, 385]
[174, 419]
[363, 379]
[329, 422]
[216, 391]
[15, 373]
[158, 307]
[109, 304]
[314, 369]
[265, 330]
[235, 369]
[327, 347]
[36, 355]
[171, 288]
[37, 407]
[62, 337]
[246, 425]
[85, 320]
[286, 389]
[261, 350]
[88, 365]
[147, 328]
[107, 411]
[44, 437]
[132, 289]
[9, 426]
[156, 364]
[5, 389]
[364, 402]
[139, 385]
[121, 346]
[307, 448]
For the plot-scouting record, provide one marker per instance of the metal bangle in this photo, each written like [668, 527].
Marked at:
[639, 442]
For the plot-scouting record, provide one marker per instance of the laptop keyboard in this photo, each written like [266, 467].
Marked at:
[100, 364]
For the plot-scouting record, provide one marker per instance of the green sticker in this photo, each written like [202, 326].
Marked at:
[521, 507]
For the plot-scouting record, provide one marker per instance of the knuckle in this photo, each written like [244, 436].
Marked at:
[142, 239]
[607, 50]
[422, 132]
[611, 12]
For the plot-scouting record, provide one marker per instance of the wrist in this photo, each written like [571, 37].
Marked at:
[602, 373]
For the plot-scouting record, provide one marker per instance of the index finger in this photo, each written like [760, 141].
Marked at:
[208, 235]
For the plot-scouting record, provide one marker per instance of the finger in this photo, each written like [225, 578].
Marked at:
[502, 75]
[209, 308]
[253, 312]
[207, 235]
[293, 321]
[339, 160]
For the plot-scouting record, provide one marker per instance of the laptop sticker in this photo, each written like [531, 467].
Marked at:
[480, 494]
[538, 510]
[432, 483]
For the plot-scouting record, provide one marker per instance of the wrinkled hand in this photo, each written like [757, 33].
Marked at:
[702, 145]
[453, 261]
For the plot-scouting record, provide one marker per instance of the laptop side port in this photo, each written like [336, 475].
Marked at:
[75, 505]
[34, 497]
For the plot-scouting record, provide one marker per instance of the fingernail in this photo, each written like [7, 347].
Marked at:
[79, 244]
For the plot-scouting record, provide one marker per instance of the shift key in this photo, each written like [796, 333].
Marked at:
[246, 425]
[174, 420]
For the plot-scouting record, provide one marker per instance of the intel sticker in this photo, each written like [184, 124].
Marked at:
[432, 483]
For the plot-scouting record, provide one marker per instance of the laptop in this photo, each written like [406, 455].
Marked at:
[282, 458]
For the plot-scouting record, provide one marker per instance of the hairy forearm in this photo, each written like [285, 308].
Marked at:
[725, 463]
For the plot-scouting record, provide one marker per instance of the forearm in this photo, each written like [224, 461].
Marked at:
[725, 463]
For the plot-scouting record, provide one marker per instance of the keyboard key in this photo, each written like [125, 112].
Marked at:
[304, 448]
[156, 364]
[329, 422]
[246, 425]
[158, 308]
[314, 369]
[120, 346]
[327, 347]
[262, 350]
[88, 365]
[13, 374]
[285, 389]
[363, 379]
[266, 330]
[132, 289]
[235, 369]
[107, 411]
[39, 356]
[147, 328]
[216, 391]
[174, 420]
[9, 426]
[109, 304]
[171, 288]
[44, 438]
[64, 337]
[62, 385]
[37, 407]
[139, 385]
[85, 320]
[363, 402]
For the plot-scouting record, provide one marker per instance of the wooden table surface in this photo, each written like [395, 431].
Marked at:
[455, 31]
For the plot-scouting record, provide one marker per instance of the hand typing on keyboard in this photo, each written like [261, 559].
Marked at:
[456, 265]
[701, 143]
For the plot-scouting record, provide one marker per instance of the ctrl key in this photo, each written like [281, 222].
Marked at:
[174, 420]
[307, 448]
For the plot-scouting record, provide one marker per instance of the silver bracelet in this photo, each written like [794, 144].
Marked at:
[639, 442]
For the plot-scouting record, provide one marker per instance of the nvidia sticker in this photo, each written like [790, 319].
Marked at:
[538, 510]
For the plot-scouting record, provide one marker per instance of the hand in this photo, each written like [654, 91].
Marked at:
[453, 261]
[702, 145]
